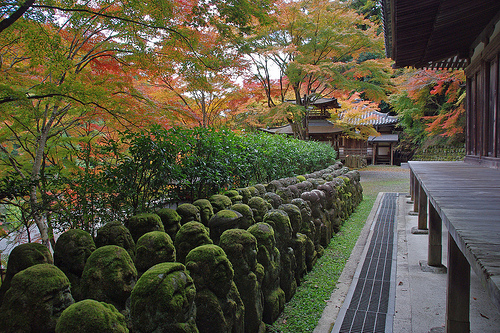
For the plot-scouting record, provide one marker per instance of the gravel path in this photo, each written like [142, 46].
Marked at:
[383, 178]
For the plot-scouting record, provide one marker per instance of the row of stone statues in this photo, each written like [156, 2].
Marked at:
[224, 264]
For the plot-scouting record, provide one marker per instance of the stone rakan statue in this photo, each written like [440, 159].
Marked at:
[36, 298]
[241, 249]
[153, 248]
[71, 252]
[109, 276]
[219, 308]
[91, 316]
[269, 257]
[171, 221]
[206, 210]
[22, 257]
[163, 300]
[115, 233]
[279, 220]
[190, 235]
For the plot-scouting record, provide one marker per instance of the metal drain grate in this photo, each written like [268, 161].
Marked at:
[369, 306]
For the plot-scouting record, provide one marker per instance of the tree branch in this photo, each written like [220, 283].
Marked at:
[7, 22]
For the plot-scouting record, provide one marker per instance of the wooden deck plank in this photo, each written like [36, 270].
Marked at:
[467, 198]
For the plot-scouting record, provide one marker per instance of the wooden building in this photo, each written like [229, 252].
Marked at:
[457, 34]
[376, 149]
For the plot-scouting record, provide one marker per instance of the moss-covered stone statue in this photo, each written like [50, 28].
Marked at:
[269, 257]
[90, 316]
[279, 220]
[109, 276]
[241, 249]
[153, 248]
[331, 213]
[163, 301]
[22, 257]
[319, 217]
[313, 247]
[298, 242]
[247, 220]
[245, 195]
[190, 235]
[220, 202]
[171, 221]
[143, 223]
[36, 298]
[259, 208]
[71, 252]
[223, 220]
[273, 199]
[234, 196]
[188, 213]
[206, 210]
[219, 308]
[261, 188]
[115, 233]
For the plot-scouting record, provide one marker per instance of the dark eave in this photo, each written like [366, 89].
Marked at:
[435, 33]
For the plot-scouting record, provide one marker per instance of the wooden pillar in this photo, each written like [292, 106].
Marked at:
[392, 154]
[374, 153]
[422, 209]
[434, 256]
[412, 185]
[458, 290]
[416, 191]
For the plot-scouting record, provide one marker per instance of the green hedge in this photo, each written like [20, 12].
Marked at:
[152, 168]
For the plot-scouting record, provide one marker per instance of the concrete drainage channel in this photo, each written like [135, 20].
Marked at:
[369, 304]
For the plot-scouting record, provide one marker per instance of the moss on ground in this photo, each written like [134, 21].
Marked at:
[302, 313]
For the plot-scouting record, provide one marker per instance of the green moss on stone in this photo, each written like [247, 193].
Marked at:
[109, 276]
[220, 202]
[153, 248]
[115, 233]
[35, 300]
[22, 257]
[143, 223]
[90, 316]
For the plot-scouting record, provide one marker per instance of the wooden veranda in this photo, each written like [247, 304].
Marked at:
[466, 199]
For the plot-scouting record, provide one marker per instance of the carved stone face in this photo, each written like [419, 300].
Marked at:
[241, 248]
[153, 248]
[72, 250]
[206, 210]
[188, 212]
[115, 233]
[163, 297]
[190, 236]
[210, 269]
[294, 215]
[37, 297]
[109, 276]
[171, 221]
[280, 222]
[259, 207]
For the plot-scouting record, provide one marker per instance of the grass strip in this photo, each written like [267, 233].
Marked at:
[302, 313]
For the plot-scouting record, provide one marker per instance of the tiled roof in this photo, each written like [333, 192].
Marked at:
[374, 118]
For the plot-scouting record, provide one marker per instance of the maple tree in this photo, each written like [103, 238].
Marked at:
[320, 48]
[431, 105]
[65, 64]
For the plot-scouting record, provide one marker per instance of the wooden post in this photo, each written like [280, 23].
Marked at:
[416, 190]
[422, 208]
[458, 290]
[392, 154]
[412, 185]
[434, 256]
